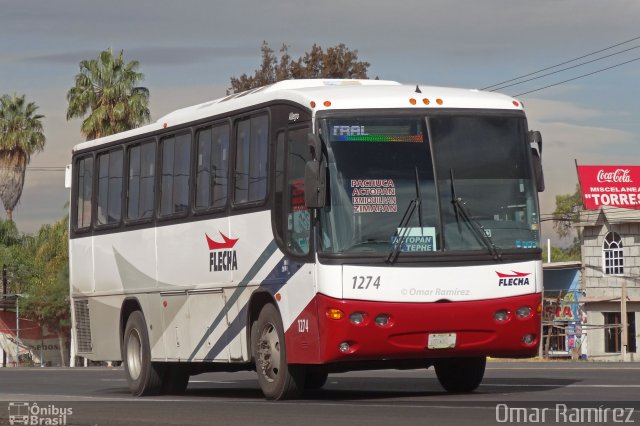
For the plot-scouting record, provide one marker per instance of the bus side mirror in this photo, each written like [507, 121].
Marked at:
[535, 138]
[315, 175]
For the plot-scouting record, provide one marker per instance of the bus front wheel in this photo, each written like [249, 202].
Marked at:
[144, 377]
[460, 375]
[277, 379]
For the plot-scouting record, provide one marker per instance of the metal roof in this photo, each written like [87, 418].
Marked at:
[342, 95]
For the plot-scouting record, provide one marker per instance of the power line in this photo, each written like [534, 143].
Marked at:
[564, 69]
[576, 78]
[562, 63]
[46, 169]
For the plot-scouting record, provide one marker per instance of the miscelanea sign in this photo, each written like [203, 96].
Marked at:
[615, 186]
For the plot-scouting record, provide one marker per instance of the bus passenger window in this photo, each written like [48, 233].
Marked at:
[109, 187]
[85, 184]
[212, 167]
[252, 139]
[140, 194]
[176, 154]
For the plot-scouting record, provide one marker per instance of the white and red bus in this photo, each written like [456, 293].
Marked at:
[310, 227]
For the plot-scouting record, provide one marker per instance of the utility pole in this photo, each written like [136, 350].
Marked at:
[4, 296]
[17, 330]
[623, 319]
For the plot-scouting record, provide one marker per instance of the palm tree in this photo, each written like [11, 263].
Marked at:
[21, 135]
[105, 96]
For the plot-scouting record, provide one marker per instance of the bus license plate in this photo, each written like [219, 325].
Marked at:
[441, 341]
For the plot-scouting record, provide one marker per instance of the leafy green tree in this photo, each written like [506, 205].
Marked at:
[336, 62]
[106, 96]
[21, 135]
[38, 268]
[571, 253]
[567, 212]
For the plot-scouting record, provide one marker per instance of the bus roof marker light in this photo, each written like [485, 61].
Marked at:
[312, 104]
[327, 103]
[278, 297]
[426, 101]
[439, 101]
[412, 101]
[164, 125]
[516, 103]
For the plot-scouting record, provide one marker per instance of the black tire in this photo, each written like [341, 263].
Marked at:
[144, 377]
[176, 378]
[278, 379]
[460, 375]
[315, 379]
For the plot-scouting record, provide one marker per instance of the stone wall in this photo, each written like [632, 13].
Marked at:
[595, 283]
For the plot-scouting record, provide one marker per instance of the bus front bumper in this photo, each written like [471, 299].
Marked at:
[427, 330]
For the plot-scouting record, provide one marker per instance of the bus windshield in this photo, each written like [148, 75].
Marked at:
[462, 182]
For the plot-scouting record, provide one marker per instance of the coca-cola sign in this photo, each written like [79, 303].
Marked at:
[612, 186]
[619, 175]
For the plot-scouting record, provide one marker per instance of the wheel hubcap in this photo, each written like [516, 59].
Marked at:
[134, 354]
[269, 353]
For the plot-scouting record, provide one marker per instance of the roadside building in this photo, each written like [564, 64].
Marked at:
[610, 242]
[562, 312]
[36, 345]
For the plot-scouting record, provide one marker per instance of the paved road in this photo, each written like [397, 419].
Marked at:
[389, 397]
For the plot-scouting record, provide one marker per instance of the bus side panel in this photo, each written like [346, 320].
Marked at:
[256, 255]
[208, 327]
[104, 317]
[81, 266]
[300, 316]
[125, 261]
[191, 282]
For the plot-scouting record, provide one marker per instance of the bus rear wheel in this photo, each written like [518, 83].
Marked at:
[144, 377]
[460, 375]
[277, 379]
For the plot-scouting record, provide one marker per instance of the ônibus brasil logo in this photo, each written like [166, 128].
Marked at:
[221, 256]
[515, 278]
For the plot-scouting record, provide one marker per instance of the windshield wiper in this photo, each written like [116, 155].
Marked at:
[478, 229]
[406, 217]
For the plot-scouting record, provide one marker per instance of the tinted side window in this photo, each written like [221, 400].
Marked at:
[140, 194]
[252, 140]
[85, 184]
[176, 155]
[212, 167]
[109, 187]
[298, 216]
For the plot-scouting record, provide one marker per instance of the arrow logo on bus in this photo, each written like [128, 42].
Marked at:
[514, 275]
[227, 244]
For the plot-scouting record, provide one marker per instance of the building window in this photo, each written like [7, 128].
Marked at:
[252, 139]
[613, 335]
[613, 258]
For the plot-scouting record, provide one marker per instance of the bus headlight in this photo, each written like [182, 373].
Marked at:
[523, 312]
[357, 318]
[501, 315]
[382, 320]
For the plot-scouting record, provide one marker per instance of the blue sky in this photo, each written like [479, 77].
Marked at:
[188, 50]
